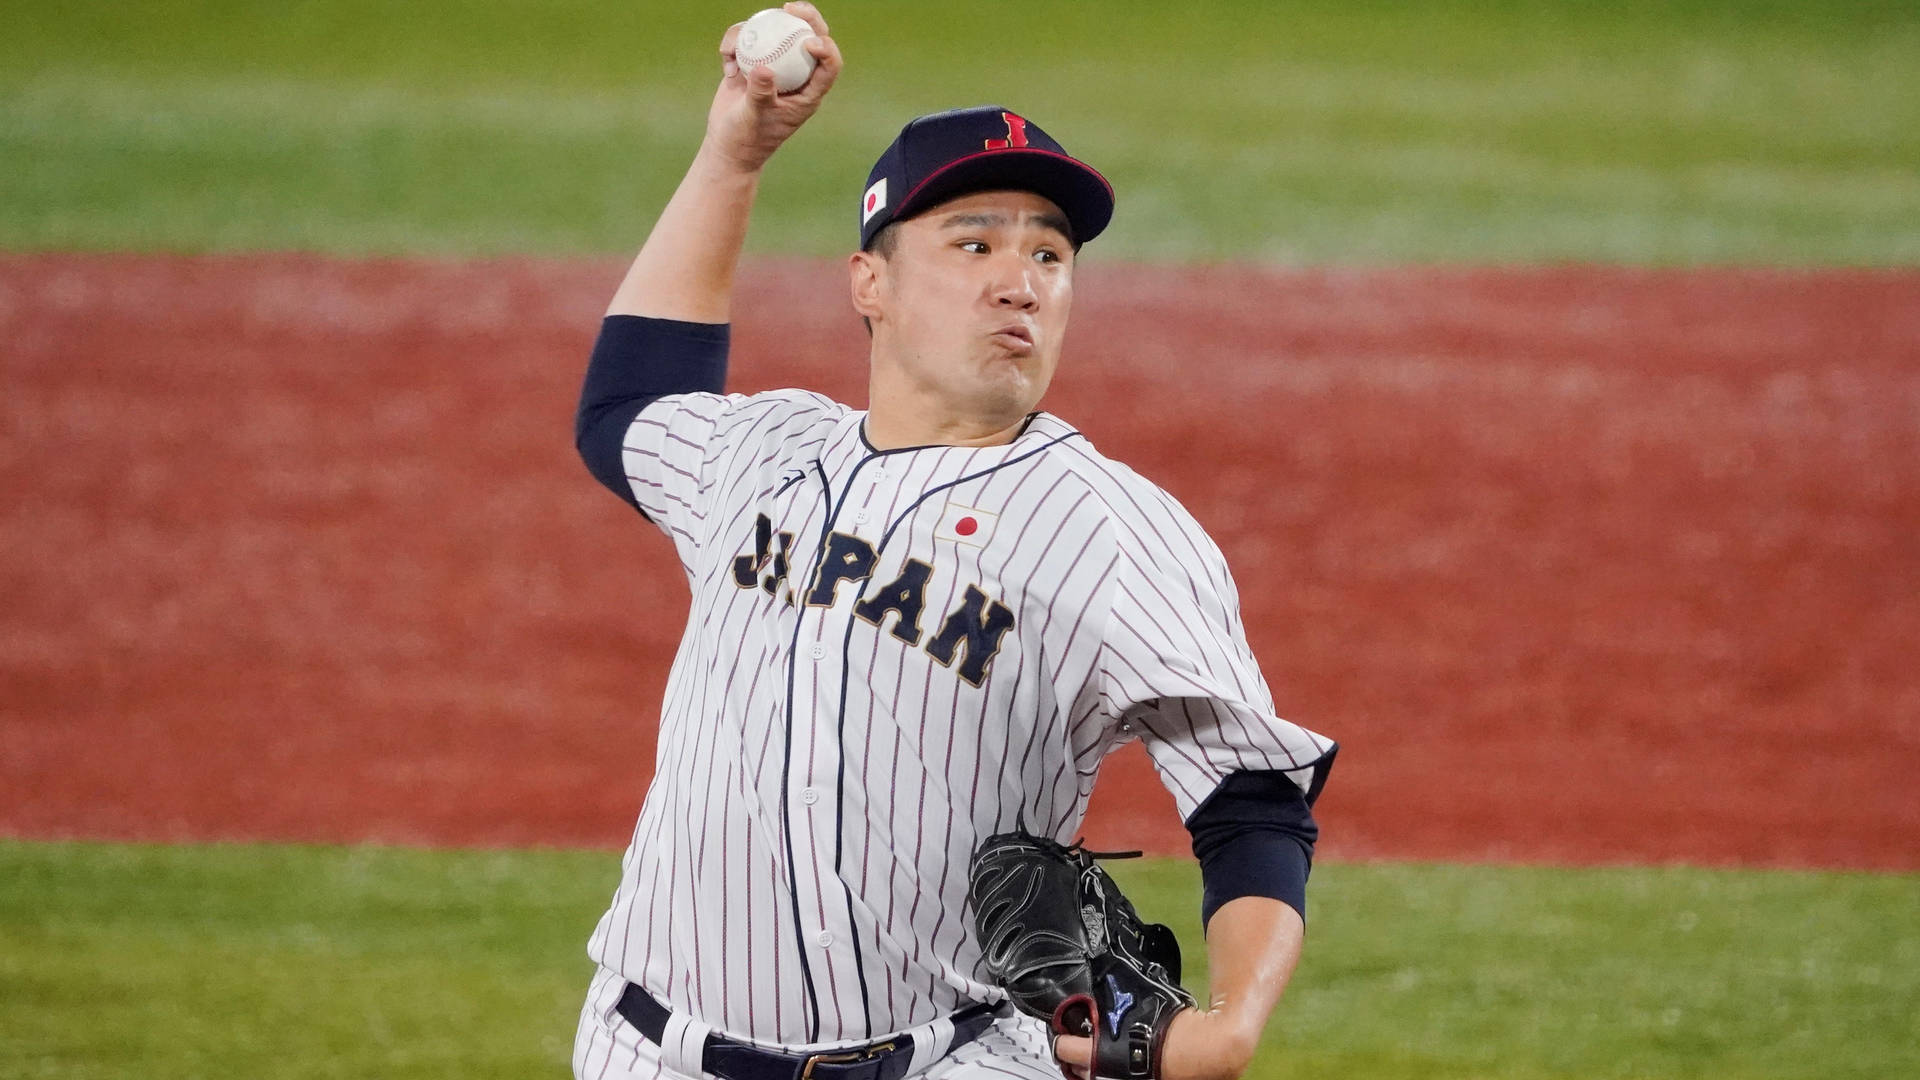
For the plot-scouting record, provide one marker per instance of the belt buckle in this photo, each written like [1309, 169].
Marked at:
[846, 1057]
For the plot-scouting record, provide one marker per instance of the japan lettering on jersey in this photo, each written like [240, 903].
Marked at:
[891, 655]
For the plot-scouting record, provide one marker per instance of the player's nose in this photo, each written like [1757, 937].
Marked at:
[1013, 288]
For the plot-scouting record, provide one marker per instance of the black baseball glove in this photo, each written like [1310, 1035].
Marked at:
[1066, 945]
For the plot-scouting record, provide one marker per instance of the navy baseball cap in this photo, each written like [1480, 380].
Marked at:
[986, 148]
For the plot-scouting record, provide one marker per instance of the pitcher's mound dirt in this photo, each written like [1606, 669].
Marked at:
[1578, 564]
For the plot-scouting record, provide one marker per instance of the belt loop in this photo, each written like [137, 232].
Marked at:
[683, 1045]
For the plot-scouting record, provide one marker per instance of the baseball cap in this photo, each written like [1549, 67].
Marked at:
[940, 156]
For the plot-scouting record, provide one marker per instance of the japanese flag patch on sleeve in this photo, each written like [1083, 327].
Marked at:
[966, 525]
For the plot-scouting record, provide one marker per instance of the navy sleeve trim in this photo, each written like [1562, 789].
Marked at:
[636, 361]
[1254, 836]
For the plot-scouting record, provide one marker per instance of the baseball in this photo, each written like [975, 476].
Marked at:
[777, 40]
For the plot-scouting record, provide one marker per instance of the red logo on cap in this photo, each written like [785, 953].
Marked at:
[873, 198]
[1016, 133]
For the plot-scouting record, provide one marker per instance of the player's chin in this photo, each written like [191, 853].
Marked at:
[1012, 393]
[1006, 375]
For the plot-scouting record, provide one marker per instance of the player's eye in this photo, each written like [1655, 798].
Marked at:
[1047, 255]
[971, 245]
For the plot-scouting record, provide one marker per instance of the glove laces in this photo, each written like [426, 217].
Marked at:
[1081, 847]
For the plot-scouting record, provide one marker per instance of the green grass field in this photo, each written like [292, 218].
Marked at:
[285, 962]
[1319, 131]
[1324, 131]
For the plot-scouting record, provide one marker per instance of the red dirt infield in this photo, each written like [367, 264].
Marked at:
[1579, 564]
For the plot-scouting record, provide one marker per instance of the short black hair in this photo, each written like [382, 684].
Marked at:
[886, 241]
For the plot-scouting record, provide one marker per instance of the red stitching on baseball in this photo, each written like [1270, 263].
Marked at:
[782, 48]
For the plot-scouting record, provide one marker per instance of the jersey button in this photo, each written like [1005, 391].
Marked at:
[809, 795]
[860, 517]
[817, 651]
[825, 939]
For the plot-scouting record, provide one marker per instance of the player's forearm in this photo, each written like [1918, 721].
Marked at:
[1253, 944]
[685, 269]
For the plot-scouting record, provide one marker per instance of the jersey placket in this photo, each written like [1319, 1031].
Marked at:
[815, 769]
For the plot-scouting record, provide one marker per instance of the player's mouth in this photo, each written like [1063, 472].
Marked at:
[1014, 337]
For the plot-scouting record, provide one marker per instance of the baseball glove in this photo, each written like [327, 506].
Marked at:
[1065, 944]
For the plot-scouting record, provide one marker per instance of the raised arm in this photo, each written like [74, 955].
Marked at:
[665, 332]
[685, 270]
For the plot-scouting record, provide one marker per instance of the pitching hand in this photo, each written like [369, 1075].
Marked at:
[749, 119]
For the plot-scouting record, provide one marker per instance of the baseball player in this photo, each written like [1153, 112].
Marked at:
[912, 627]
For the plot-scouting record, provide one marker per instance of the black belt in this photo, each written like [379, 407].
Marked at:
[723, 1057]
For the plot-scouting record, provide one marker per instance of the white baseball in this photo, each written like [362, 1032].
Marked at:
[777, 40]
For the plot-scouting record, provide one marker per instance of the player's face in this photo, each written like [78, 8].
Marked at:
[971, 307]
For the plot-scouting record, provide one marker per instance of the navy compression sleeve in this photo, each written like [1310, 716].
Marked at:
[636, 361]
[1254, 836]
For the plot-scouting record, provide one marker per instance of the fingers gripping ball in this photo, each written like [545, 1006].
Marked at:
[777, 40]
[1066, 945]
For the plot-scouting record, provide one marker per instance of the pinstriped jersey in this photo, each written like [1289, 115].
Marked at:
[891, 655]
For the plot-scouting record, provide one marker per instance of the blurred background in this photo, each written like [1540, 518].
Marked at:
[1548, 372]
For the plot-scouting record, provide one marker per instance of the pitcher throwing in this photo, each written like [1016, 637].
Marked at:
[914, 627]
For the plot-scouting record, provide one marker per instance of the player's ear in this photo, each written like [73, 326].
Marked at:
[866, 274]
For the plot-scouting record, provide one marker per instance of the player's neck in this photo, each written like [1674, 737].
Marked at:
[891, 429]
[903, 411]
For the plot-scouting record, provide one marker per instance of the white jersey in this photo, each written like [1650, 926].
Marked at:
[890, 656]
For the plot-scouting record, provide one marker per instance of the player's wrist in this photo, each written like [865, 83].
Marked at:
[725, 158]
[1208, 1044]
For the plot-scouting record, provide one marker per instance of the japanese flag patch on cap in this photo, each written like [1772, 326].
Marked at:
[875, 201]
[966, 525]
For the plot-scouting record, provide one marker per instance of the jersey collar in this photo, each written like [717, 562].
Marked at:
[1040, 427]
